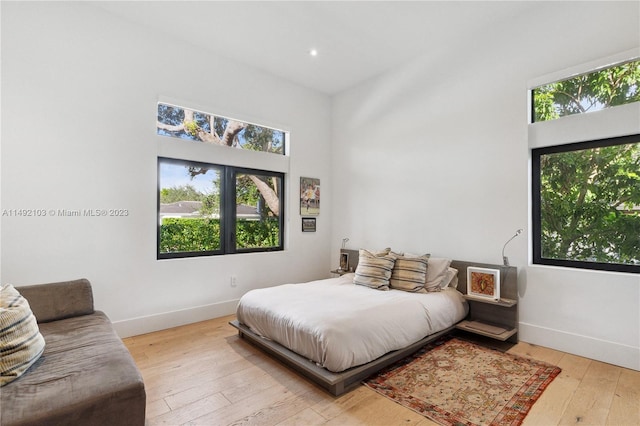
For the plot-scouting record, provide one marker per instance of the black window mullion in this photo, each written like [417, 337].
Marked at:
[282, 212]
[229, 210]
[536, 207]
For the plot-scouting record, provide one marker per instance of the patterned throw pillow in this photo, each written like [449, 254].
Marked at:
[409, 274]
[374, 270]
[21, 343]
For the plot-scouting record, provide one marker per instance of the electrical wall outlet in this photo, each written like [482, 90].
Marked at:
[233, 281]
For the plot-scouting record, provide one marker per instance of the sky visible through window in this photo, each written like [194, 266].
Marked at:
[177, 175]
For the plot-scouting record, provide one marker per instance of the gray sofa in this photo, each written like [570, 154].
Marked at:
[85, 376]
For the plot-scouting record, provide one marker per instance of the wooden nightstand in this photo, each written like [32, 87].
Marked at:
[491, 318]
[497, 319]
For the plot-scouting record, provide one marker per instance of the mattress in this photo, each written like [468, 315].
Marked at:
[340, 325]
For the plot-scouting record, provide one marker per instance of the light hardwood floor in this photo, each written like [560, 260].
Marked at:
[204, 374]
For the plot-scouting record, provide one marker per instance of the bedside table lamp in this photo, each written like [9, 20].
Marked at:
[344, 242]
[505, 259]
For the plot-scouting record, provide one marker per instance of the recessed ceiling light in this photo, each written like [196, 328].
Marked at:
[313, 52]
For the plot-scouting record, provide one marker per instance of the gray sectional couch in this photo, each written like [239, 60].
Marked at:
[85, 376]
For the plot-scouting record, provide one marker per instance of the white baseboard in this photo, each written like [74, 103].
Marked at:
[150, 323]
[585, 346]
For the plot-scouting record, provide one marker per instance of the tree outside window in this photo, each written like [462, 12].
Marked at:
[207, 209]
[613, 86]
[588, 204]
[586, 196]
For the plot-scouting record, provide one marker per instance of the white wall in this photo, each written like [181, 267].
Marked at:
[79, 94]
[433, 157]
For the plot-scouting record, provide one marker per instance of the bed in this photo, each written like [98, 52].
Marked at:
[337, 333]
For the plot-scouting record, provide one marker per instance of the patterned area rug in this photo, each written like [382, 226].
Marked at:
[454, 382]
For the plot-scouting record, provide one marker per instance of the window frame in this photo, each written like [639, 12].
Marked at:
[230, 207]
[536, 202]
[227, 213]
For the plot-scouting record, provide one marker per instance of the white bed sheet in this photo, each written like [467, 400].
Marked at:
[340, 325]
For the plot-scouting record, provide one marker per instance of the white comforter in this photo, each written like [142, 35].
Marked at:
[340, 325]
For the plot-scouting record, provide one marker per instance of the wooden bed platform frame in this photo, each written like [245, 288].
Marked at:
[339, 383]
[334, 383]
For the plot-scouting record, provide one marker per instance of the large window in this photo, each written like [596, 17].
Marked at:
[586, 204]
[207, 209]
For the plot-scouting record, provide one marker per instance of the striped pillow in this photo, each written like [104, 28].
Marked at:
[374, 270]
[21, 343]
[409, 274]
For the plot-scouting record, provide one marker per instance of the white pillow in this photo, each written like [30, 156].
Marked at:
[450, 278]
[436, 271]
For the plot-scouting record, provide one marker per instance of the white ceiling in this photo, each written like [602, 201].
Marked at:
[356, 40]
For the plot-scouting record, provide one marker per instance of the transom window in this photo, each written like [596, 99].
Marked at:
[593, 91]
[193, 125]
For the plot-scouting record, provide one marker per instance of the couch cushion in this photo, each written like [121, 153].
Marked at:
[85, 376]
[60, 300]
[21, 343]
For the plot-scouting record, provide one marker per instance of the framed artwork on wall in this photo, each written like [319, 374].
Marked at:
[308, 224]
[309, 196]
[483, 283]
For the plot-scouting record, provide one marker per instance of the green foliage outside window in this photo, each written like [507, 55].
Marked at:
[189, 234]
[203, 234]
[194, 197]
[617, 85]
[590, 204]
[180, 193]
[257, 233]
[589, 194]
[190, 124]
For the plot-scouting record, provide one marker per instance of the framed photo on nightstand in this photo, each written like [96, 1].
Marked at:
[344, 261]
[483, 283]
[308, 224]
